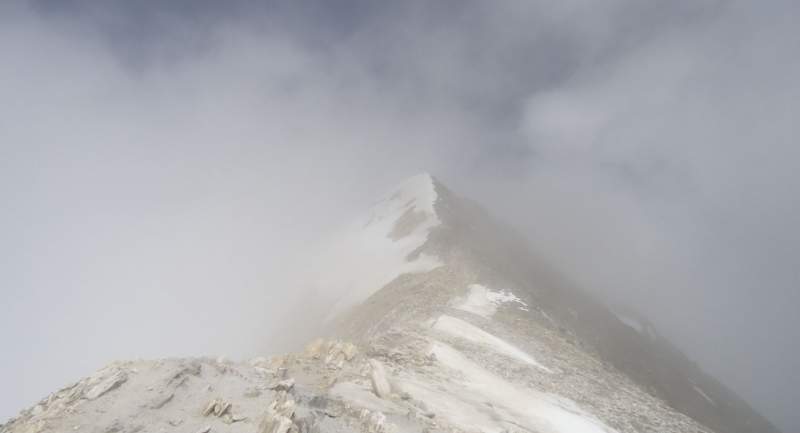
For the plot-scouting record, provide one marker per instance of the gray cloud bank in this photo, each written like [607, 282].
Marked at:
[164, 166]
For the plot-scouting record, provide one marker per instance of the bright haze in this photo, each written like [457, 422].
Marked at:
[166, 167]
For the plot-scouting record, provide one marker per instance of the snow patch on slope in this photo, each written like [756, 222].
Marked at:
[539, 411]
[376, 250]
[462, 400]
[637, 324]
[461, 329]
[632, 323]
[703, 394]
[484, 302]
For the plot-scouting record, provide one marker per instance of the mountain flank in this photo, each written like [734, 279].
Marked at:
[437, 318]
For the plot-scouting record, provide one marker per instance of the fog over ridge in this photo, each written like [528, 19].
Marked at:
[165, 167]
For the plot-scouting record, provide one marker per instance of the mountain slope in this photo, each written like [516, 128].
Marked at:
[479, 253]
[437, 318]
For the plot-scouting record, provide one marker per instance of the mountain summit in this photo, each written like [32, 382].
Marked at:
[437, 318]
[489, 284]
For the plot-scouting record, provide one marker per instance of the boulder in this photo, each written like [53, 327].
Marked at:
[283, 385]
[106, 383]
[315, 348]
[379, 379]
[216, 407]
[279, 415]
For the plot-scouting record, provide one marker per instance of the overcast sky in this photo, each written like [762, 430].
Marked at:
[164, 166]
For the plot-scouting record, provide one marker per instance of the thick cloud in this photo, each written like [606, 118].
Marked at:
[164, 166]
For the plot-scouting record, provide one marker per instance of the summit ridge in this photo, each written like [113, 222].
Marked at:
[434, 317]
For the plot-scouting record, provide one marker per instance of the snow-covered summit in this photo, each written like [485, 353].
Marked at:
[409, 208]
[495, 301]
[386, 243]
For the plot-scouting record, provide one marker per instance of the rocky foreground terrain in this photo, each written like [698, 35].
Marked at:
[440, 320]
